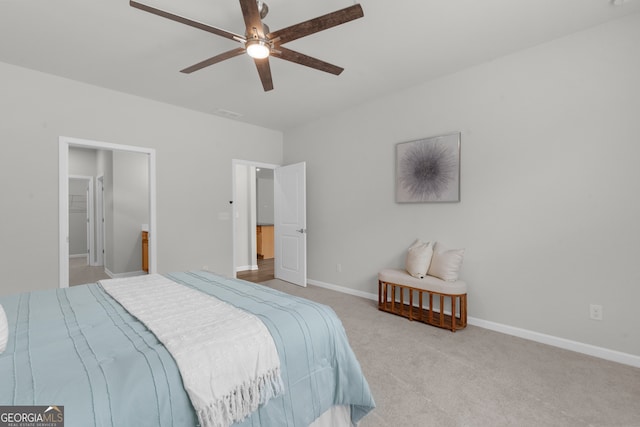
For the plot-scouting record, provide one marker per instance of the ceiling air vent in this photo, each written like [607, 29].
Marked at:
[228, 114]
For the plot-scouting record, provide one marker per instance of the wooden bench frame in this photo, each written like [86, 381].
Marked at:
[420, 313]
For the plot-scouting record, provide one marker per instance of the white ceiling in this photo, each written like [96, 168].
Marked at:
[398, 44]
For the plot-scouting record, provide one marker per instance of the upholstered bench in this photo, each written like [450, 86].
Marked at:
[393, 284]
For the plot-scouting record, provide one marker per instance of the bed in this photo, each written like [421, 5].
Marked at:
[79, 348]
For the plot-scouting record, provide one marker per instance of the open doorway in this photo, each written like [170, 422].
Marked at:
[253, 212]
[140, 210]
[289, 220]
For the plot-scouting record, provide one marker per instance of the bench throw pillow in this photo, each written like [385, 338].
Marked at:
[4, 330]
[419, 258]
[445, 263]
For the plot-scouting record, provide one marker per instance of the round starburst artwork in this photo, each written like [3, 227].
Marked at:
[428, 170]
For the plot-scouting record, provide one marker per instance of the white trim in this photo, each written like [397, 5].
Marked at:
[122, 275]
[588, 349]
[79, 142]
[578, 347]
[246, 267]
[153, 235]
[344, 290]
[63, 212]
[100, 220]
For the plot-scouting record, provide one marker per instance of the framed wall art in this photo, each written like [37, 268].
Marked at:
[428, 170]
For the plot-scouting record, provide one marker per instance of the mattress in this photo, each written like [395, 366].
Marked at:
[78, 348]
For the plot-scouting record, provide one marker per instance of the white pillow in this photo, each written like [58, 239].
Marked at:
[4, 329]
[419, 258]
[445, 263]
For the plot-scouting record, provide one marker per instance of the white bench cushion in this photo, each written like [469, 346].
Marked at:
[429, 283]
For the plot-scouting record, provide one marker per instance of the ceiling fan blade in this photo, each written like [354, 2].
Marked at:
[302, 59]
[252, 19]
[213, 60]
[315, 25]
[264, 70]
[186, 21]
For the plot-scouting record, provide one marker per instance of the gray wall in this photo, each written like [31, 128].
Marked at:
[193, 150]
[264, 196]
[82, 161]
[105, 165]
[550, 196]
[130, 210]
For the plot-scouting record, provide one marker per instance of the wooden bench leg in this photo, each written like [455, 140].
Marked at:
[387, 299]
[393, 298]
[430, 308]
[453, 313]
[410, 304]
[463, 310]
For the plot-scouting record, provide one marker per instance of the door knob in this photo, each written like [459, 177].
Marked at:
[302, 230]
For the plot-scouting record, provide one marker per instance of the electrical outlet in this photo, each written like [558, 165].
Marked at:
[595, 311]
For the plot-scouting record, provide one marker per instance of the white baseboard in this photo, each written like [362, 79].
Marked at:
[342, 289]
[121, 275]
[591, 350]
[246, 267]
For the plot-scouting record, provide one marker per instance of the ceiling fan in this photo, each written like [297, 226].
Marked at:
[260, 43]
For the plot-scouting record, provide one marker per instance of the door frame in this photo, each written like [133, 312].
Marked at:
[90, 216]
[100, 255]
[64, 142]
[234, 163]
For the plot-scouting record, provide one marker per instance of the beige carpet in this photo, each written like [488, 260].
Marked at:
[81, 273]
[425, 376]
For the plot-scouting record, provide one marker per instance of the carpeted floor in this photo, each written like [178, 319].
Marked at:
[425, 376]
[81, 273]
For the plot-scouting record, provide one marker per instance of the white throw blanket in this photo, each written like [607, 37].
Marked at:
[227, 358]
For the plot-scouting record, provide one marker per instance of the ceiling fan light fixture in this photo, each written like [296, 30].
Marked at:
[258, 49]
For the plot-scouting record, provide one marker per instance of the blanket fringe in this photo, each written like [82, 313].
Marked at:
[242, 401]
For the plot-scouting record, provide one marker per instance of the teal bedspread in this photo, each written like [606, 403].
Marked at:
[79, 348]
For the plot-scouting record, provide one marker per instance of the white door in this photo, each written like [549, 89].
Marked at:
[88, 225]
[290, 222]
[100, 221]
